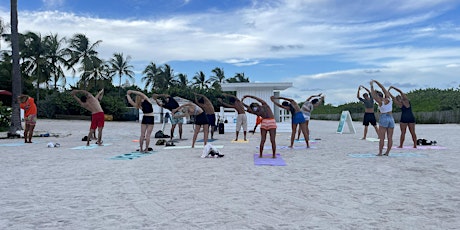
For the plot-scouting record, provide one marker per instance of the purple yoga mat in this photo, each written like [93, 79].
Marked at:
[268, 160]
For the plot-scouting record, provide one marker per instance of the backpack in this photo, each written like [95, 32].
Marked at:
[159, 134]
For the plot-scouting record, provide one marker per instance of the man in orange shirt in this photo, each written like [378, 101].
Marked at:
[30, 116]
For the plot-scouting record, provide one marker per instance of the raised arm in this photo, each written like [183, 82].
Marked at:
[273, 99]
[182, 106]
[255, 98]
[74, 95]
[225, 104]
[100, 94]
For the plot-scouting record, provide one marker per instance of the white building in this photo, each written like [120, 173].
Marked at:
[261, 90]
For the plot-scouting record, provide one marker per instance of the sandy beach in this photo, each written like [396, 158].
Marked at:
[336, 184]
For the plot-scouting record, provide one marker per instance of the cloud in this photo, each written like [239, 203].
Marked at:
[399, 42]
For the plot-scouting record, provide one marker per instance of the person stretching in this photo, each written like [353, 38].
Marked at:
[268, 123]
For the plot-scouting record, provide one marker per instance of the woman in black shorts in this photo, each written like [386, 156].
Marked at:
[143, 102]
[200, 120]
[407, 116]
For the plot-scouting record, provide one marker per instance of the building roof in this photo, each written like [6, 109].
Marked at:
[252, 85]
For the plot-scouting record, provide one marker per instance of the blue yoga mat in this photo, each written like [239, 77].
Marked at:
[12, 144]
[372, 155]
[130, 156]
[268, 160]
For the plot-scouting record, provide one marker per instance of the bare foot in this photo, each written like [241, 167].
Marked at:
[379, 155]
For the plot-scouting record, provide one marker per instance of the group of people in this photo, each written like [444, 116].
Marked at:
[203, 112]
[384, 99]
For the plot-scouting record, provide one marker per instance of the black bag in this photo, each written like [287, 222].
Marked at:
[159, 134]
[161, 142]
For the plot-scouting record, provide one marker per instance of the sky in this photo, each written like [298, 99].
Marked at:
[321, 46]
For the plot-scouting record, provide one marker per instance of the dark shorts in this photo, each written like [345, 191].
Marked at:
[148, 120]
[407, 117]
[201, 119]
[211, 119]
[369, 118]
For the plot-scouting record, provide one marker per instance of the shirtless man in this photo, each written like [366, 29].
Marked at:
[268, 122]
[208, 108]
[241, 119]
[91, 103]
[369, 115]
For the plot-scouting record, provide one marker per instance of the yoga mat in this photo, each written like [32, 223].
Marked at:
[91, 146]
[240, 141]
[372, 155]
[12, 144]
[209, 140]
[287, 147]
[268, 160]
[131, 156]
[189, 147]
[372, 139]
[302, 140]
[420, 147]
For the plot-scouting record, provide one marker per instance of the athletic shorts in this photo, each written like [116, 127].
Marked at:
[369, 118]
[306, 116]
[148, 120]
[201, 119]
[97, 120]
[298, 118]
[211, 119]
[268, 123]
[241, 122]
[386, 120]
[31, 119]
[177, 120]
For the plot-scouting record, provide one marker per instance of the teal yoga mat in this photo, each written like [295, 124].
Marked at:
[131, 156]
[91, 146]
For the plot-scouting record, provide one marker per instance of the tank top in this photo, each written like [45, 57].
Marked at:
[146, 107]
[386, 108]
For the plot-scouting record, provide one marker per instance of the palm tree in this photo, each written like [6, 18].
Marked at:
[151, 73]
[99, 72]
[35, 59]
[219, 75]
[239, 77]
[166, 77]
[120, 67]
[200, 80]
[16, 74]
[81, 51]
[55, 56]
[181, 81]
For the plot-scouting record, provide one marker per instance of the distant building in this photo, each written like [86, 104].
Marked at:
[262, 90]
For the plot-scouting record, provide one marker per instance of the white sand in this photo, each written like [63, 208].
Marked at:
[320, 188]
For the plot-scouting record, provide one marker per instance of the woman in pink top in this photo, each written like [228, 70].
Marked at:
[386, 121]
